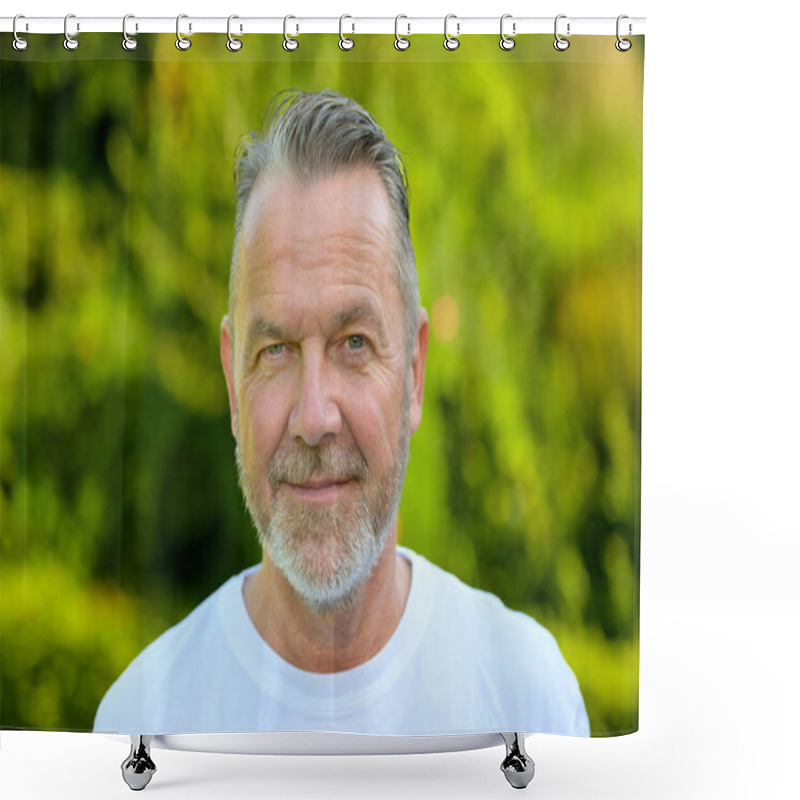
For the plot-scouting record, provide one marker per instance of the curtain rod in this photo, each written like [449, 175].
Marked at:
[403, 25]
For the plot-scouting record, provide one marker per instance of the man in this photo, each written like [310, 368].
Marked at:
[324, 350]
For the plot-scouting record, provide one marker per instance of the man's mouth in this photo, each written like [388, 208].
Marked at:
[319, 489]
[321, 483]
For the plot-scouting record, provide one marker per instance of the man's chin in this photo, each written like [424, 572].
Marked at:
[321, 570]
[320, 562]
[323, 589]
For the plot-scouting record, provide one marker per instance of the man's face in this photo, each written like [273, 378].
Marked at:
[323, 400]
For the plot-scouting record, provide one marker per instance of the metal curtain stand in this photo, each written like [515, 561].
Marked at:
[518, 767]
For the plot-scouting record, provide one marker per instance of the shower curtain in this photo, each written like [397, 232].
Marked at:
[143, 590]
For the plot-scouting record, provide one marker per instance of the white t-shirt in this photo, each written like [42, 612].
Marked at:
[458, 662]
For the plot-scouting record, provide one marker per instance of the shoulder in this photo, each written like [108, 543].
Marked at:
[483, 611]
[501, 653]
[167, 666]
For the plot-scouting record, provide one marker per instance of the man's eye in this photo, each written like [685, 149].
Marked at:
[355, 342]
[274, 349]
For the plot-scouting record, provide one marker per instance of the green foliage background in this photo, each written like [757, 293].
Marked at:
[119, 505]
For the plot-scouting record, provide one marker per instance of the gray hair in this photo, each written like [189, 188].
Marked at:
[316, 135]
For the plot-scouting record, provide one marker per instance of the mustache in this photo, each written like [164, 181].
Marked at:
[301, 463]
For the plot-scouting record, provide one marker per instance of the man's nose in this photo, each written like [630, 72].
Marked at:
[316, 412]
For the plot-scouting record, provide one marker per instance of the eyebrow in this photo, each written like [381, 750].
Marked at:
[257, 331]
[358, 312]
[261, 329]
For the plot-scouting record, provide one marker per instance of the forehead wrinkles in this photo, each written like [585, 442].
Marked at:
[286, 245]
[349, 211]
[291, 292]
[276, 265]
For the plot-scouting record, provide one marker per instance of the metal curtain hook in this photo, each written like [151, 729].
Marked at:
[400, 42]
[233, 44]
[19, 43]
[70, 42]
[182, 43]
[560, 44]
[128, 42]
[345, 42]
[623, 45]
[506, 42]
[450, 42]
[289, 44]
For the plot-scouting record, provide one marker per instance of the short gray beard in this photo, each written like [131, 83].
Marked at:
[326, 554]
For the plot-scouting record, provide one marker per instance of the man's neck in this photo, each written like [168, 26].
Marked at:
[336, 641]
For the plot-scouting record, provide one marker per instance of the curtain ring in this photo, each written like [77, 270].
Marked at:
[289, 44]
[623, 45]
[182, 43]
[19, 43]
[128, 42]
[345, 42]
[70, 42]
[400, 42]
[506, 42]
[560, 44]
[233, 44]
[450, 42]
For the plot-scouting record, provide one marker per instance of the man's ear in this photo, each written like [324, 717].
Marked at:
[226, 354]
[418, 370]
